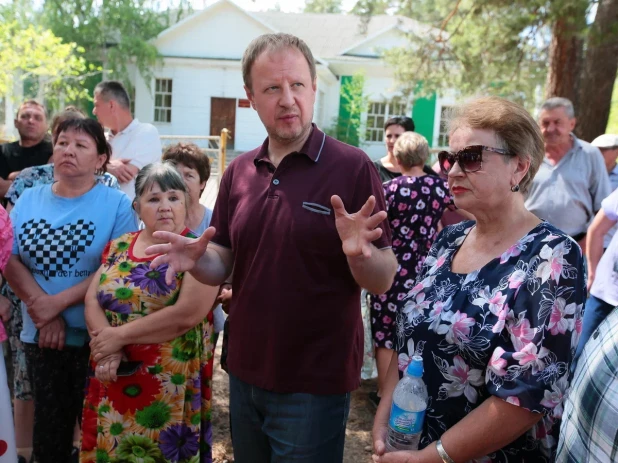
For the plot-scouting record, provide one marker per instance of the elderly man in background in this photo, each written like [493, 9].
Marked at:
[134, 144]
[572, 180]
[33, 147]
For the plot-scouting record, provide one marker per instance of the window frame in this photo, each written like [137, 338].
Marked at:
[442, 141]
[393, 107]
[163, 91]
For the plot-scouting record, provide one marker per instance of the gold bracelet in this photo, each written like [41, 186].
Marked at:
[442, 452]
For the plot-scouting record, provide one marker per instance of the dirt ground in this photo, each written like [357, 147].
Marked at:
[358, 432]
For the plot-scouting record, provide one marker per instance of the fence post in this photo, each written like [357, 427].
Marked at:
[222, 153]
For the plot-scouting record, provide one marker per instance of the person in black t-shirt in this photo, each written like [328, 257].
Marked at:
[33, 148]
[393, 128]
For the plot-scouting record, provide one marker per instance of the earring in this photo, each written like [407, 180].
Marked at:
[515, 188]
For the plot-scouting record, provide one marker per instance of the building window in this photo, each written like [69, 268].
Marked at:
[443, 136]
[132, 100]
[377, 114]
[163, 100]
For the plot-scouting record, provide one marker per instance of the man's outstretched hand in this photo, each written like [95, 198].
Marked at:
[179, 252]
[357, 230]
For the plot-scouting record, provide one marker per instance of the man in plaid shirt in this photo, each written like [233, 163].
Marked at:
[589, 431]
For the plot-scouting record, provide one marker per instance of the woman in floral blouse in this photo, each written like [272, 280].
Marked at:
[496, 309]
[161, 411]
[415, 202]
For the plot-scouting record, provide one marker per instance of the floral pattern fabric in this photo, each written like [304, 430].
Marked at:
[161, 413]
[6, 247]
[44, 175]
[415, 206]
[507, 330]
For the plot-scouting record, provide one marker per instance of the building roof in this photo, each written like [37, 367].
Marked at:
[330, 35]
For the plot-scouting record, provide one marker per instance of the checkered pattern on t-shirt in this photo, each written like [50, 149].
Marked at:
[55, 249]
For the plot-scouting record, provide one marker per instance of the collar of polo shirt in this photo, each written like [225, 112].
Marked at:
[312, 148]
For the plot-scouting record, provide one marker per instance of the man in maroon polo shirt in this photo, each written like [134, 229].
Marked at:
[299, 260]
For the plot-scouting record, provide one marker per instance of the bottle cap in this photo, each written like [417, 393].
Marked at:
[415, 368]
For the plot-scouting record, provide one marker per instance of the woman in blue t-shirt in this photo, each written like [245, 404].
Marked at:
[60, 232]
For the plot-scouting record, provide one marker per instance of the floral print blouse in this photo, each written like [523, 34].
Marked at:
[43, 175]
[507, 330]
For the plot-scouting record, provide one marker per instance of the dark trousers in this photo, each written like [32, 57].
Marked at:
[280, 428]
[58, 379]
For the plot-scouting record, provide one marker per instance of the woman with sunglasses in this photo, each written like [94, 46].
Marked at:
[496, 309]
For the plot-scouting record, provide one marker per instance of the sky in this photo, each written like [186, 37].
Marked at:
[289, 6]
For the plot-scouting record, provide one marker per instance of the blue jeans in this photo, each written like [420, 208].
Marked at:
[594, 313]
[276, 428]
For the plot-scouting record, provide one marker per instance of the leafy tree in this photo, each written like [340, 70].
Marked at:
[323, 6]
[353, 102]
[511, 49]
[113, 33]
[35, 53]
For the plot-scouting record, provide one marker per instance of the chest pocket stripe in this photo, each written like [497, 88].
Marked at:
[314, 207]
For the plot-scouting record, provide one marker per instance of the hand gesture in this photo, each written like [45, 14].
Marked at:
[357, 230]
[179, 253]
[5, 309]
[44, 308]
[106, 368]
[105, 342]
[52, 335]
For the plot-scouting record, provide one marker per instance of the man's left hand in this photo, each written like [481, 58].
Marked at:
[122, 170]
[358, 230]
[44, 308]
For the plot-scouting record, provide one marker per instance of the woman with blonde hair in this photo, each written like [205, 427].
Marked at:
[495, 310]
[415, 202]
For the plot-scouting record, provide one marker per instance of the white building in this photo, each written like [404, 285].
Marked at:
[198, 90]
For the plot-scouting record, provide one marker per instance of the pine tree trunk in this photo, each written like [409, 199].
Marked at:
[565, 58]
[599, 74]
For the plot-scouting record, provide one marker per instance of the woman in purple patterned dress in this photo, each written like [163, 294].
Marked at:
[415, 203]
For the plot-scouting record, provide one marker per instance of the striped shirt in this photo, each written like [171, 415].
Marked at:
[589, 431]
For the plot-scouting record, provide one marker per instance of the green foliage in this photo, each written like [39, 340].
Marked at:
[323, 6]
[353, 102]
[34, 53]
[368, 8]
[496, 47]
[113, 32]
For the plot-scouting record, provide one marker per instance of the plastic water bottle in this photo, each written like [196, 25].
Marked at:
[408, 410]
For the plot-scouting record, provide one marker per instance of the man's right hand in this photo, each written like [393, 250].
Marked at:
[179, 252]
[120, 169]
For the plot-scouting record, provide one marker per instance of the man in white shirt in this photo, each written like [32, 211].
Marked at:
[608, 144]
[134, 144]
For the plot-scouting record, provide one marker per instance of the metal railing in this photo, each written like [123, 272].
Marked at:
[214, 146]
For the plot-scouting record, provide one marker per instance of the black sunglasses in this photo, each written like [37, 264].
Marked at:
[470, 158]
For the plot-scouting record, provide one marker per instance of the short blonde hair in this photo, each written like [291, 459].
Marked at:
[274, 42]
[515, 129]
[411, 149]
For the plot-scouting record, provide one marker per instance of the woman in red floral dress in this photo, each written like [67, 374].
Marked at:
[160, 413]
